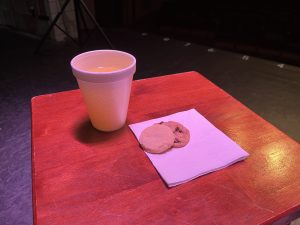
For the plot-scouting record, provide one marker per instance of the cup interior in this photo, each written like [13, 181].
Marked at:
[103, 58]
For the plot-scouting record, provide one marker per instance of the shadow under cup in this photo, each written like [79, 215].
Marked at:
[104, 78]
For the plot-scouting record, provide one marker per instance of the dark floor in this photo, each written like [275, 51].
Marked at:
[270, 89]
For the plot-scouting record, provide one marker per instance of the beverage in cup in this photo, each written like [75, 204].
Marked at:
[104, 78]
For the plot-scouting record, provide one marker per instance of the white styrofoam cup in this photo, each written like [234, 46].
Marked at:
[106, 94]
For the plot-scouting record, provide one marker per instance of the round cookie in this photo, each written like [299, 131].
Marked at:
[182, 134]
[157, 138]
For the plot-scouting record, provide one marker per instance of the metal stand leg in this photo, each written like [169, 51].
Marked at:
[96, 23]
[76, 8]
[69, 36]
[78, 15]
[52, 25]
[83, 20]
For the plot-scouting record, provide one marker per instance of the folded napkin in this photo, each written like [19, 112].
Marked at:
[209, 149]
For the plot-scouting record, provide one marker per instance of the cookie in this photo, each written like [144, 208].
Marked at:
[182, 134]
[157, 138]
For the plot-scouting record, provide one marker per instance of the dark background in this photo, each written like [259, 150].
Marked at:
[264, 29]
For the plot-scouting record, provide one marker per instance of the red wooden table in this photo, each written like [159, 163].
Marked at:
[83, 176]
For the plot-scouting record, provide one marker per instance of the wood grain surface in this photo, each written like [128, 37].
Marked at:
[83, 176]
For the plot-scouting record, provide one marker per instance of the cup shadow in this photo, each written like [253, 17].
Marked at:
[86, 133]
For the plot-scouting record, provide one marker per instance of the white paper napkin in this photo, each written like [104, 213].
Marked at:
[209, 149]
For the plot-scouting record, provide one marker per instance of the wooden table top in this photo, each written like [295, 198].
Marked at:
[83, 176]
